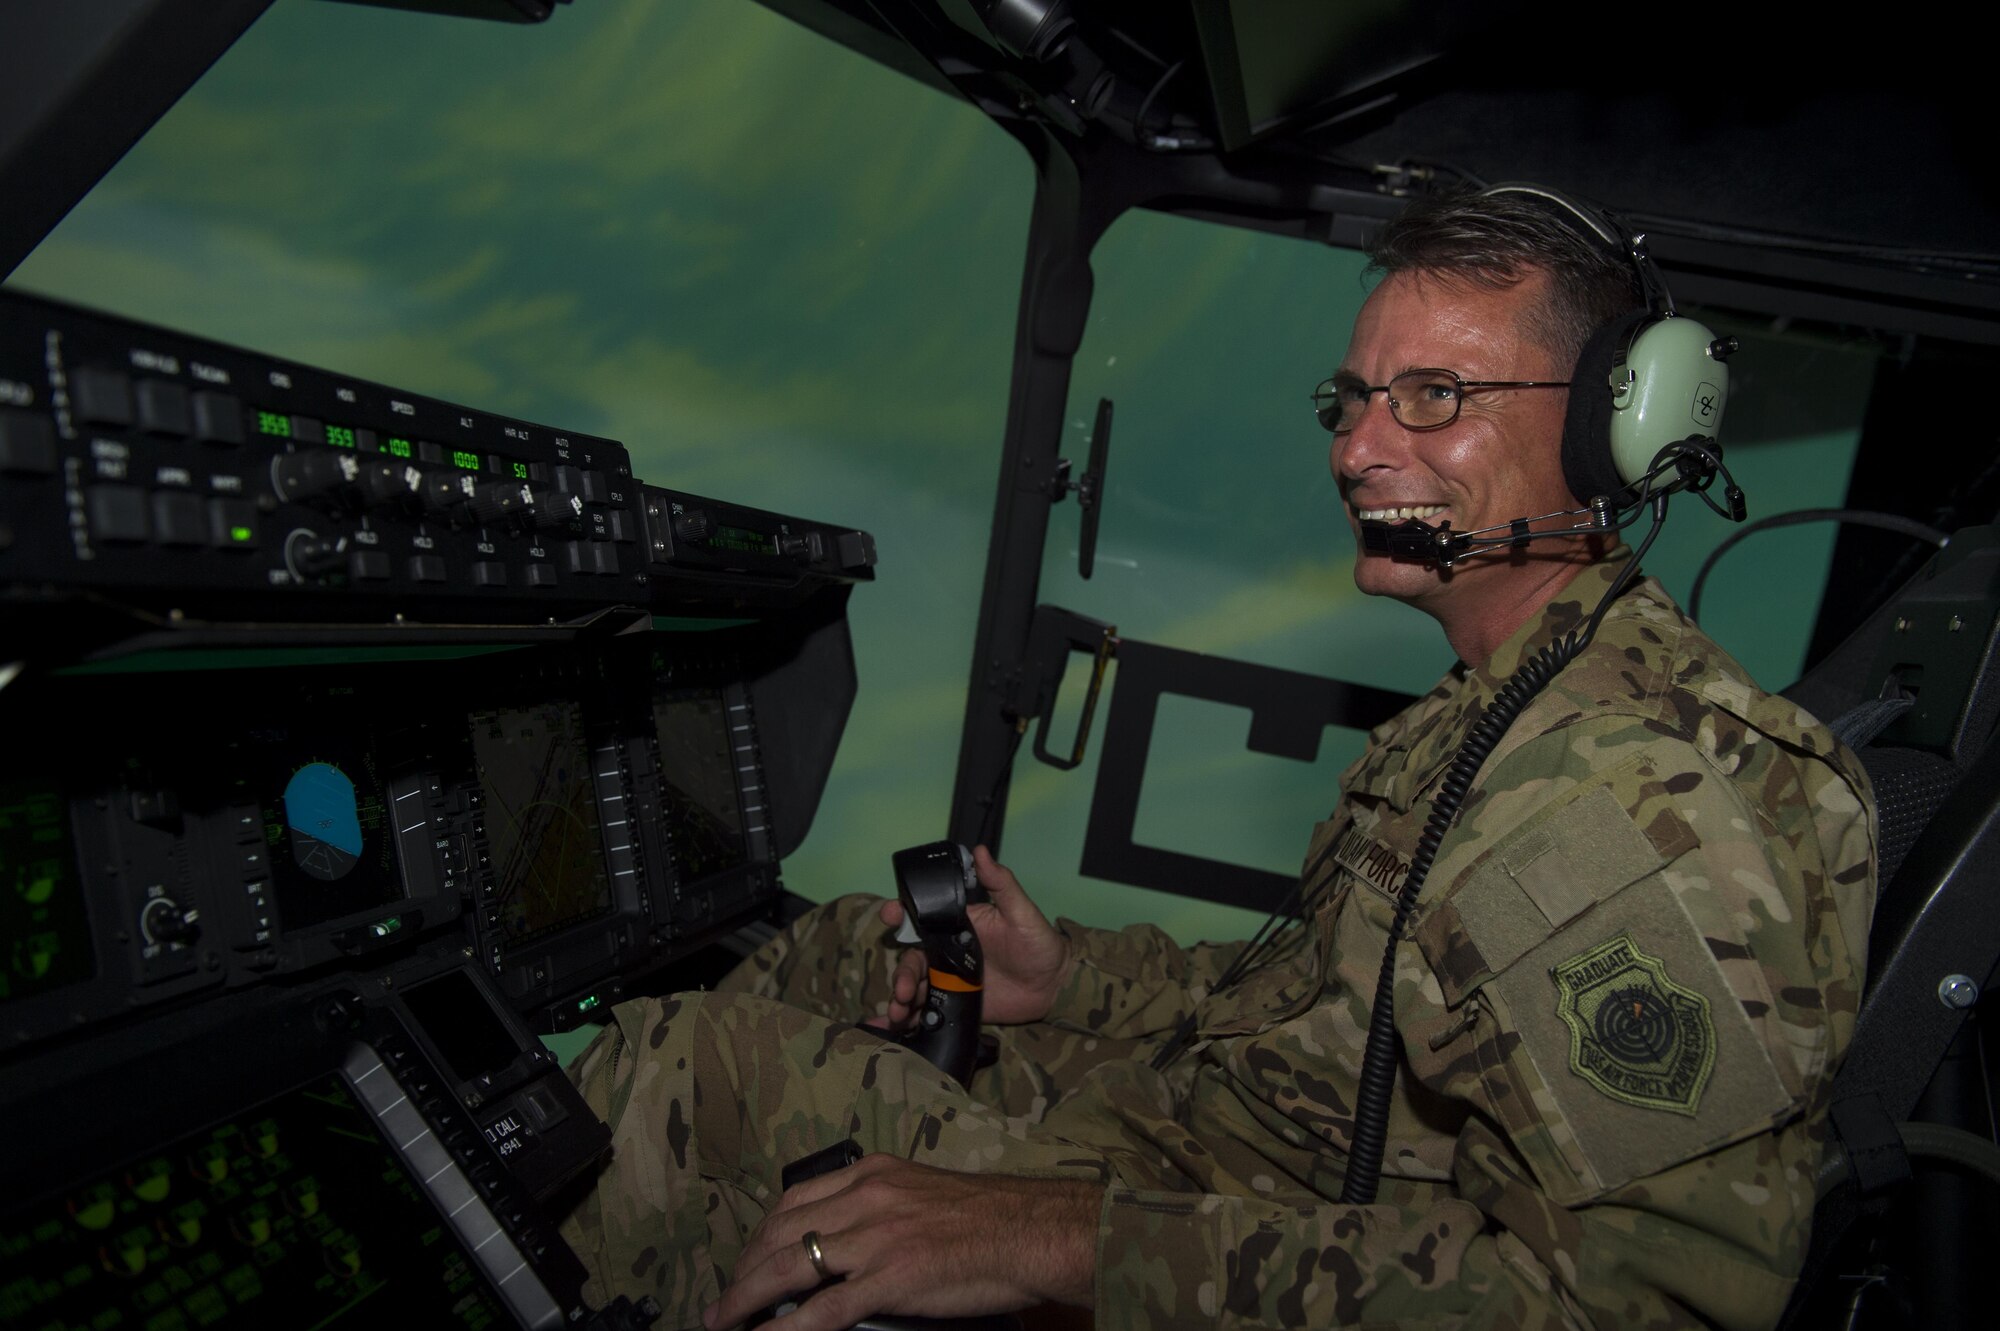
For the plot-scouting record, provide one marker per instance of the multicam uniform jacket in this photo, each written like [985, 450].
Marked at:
[1635, 966]
[1632, 972]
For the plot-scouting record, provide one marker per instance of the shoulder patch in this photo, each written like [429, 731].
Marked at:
[1634, 1034]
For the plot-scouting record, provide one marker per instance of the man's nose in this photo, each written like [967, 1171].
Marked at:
[1378, 439]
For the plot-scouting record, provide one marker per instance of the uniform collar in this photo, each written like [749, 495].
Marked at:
[1438, 725]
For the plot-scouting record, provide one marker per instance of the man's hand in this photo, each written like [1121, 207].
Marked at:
[907, 1238]
[1027, 961]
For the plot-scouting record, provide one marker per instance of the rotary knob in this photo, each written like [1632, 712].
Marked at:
[693, 525]
[389, 484]
[164, 920]
[549, 508]
[490, 503]
[308, 477]
[445, 492]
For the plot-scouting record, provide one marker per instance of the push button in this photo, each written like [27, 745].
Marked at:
[164, 408]
[541, 575]
[101, 397]
[119, 513]
[232, 524]
[621, 525]
[308, 431]
[604, 560]
[576, 557]
[431, 453]
[368, 566]
[218, 417]
[489, 573]
[179, 518]
[427, 568]
[27, 444]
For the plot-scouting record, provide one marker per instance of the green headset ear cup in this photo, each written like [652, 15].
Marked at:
[1678, 391]
[1587, 459]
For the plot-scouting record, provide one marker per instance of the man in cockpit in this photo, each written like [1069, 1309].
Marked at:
[1623, 988]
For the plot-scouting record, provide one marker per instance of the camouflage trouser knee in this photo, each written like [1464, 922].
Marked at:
[708, 1096]
[838, 961]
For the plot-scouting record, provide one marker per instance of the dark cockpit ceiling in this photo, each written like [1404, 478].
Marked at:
[1779, 162]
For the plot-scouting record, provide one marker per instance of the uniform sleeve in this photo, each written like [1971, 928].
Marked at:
[1647, 986]
[1133, 982]
[1689, 1244]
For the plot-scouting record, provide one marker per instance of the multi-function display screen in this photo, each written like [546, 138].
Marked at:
[542, 825]
[294, 1212]
[44, 932]
[329, 845]
[698, 763]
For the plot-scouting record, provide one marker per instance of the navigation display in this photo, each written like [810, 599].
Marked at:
[704, 814]
[541, 818]
[44, 932]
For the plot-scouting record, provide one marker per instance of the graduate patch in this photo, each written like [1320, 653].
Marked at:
[1633, 1033]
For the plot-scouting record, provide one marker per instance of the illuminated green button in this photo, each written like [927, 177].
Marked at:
[264, 1138]
[152, 1181]
[96, 1208]
[183, 1226]
[127, 1256]
[253, 1224]
[232, 524]
[39, 882]
[211, 1162]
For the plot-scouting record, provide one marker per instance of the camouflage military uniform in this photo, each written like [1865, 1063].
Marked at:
[1634, 970]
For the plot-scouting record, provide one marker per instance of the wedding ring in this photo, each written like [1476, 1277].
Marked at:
[815, 1255]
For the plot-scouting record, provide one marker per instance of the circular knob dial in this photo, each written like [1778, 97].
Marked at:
[164, 920]
[303, 477]
[550, 508]
[445, 492]
[694, 525]
[389, 484]
[494, 501]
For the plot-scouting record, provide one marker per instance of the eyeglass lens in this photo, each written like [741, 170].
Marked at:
[1419, 399]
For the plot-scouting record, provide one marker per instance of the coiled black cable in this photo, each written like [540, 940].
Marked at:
[1378, 1061]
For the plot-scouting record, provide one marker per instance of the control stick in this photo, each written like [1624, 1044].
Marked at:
[935, 882]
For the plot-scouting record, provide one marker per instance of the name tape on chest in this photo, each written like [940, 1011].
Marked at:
[1374, 862]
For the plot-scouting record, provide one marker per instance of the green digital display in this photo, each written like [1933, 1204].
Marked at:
[274, 423]
[395, 447]
[520, 471]
[461, 458]
[340, 436]
[742, 538]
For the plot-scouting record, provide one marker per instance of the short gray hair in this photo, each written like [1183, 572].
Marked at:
[1494, 240]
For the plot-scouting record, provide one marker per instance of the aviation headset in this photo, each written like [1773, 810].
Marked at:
[1649, 378]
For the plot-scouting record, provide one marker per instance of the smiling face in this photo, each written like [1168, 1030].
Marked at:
[1500, 460]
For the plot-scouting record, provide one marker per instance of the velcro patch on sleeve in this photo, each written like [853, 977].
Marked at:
[1583, 852]
[1645, 1053]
